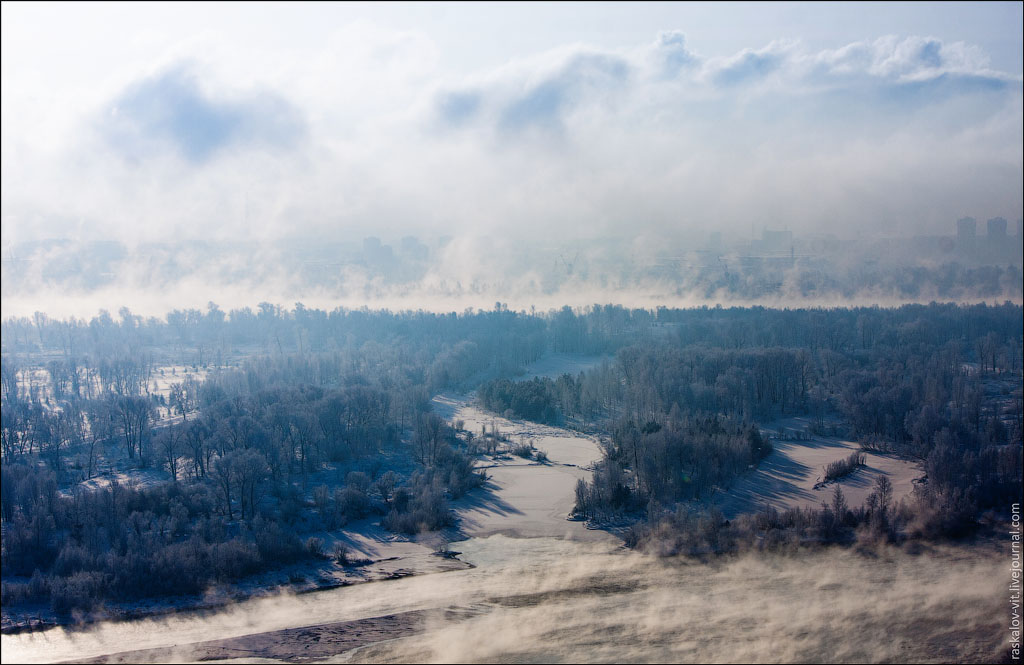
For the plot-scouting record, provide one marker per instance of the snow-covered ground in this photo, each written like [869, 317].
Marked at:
[554, 365]
[523, 497]
[36, 380]
[522, 545]
[787, 478]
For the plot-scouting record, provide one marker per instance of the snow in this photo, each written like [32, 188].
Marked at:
[787, 477]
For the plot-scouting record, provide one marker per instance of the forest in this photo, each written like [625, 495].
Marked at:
[269, 425]
[936, 384]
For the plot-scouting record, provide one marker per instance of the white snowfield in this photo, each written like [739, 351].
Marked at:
[789, 477]
[524, 498]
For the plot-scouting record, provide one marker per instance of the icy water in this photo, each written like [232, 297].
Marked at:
[548, 599]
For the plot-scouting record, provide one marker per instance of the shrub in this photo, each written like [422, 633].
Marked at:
[523, 450]
[321, 497]
[234, 559]
[844, 467]
[14, 593]
[81, 591]
[276, 544]
[315, 547]
[72, 559]
[352, 503]
[358, 480]
[426, 509]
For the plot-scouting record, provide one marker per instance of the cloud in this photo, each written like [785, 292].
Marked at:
[367, 133]
[553, 91]
[544, 103]
[890, 60]
[458, 108]
[171, 110]
[749, 65]
[669, 55]
[536, 95]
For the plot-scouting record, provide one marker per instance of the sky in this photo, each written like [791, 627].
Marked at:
[156, 122]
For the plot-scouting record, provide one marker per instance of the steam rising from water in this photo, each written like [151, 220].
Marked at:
[544, 600]
[66, 281]
[835, 606]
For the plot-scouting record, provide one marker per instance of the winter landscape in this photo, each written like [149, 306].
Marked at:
[344, 332]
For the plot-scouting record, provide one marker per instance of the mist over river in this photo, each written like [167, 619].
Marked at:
[547, 599]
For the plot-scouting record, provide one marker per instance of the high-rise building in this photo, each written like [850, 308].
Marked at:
[997, 229]
[776, 241]
[966, 229]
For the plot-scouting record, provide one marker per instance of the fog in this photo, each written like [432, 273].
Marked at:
[369, 129]
[564, 169]
[67, 279]
[635, 609]
[552, 600]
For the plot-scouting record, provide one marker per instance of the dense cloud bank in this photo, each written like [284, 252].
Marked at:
[366, 134]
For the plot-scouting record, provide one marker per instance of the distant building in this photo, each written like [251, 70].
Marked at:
[997, 229]
[776, 241]
[378, 256]
[966, 229]
[371, 245]
[414, 249]
[410, 243]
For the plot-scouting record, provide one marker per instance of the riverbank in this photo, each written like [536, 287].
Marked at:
[552, 600]
[395, 559]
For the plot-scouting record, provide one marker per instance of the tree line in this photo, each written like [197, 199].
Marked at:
[936, 383]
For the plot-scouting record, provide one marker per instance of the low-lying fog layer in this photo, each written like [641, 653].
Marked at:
[836, 606]
[544, 600]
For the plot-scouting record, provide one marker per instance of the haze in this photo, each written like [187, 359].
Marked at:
[505, 139]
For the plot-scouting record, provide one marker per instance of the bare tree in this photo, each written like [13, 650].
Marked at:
[170, 444]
